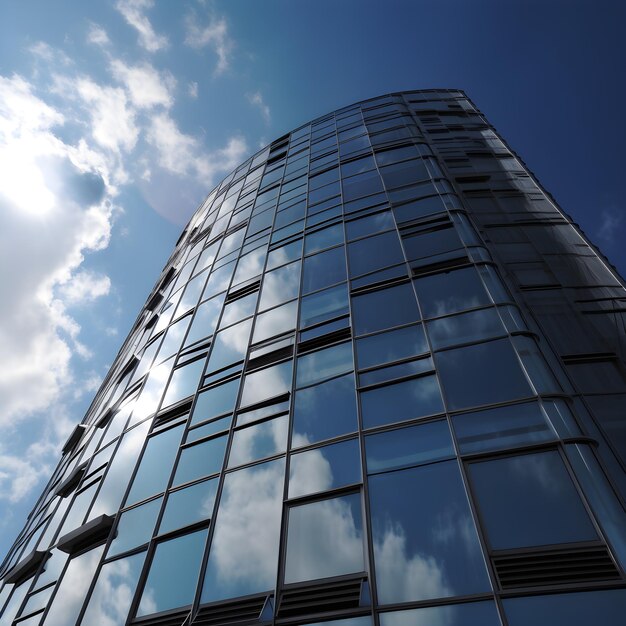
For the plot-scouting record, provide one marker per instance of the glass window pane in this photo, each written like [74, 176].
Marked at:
[402, 401]
[205, 320]
[324, 269]
[400, 370]
[369, 225]
[200, 460]
[405, 447]
[482, 374]
[284, 254]
[259, 441]
[471, 614]
[419, 208]
[276, 321]
[367, 255]
[504, 427]
[229, 346]
[73, 588]
[316, 366]
[606, 607]
[215, 401]
[238, 309]
[451, 292]
[391, 346]
[325, 468]
[324, 305]
[465, 328]
[425, 542]
[324, 411]
[156, 464]
[280, 286]
[365, 620]
[266, 383]
[173, 574]
[135, 527]
[247, 531]
[384, 308]
[113, 593]
[529, 500]
[325, 238]
[188, 506]
[184, 382]
[325, 539]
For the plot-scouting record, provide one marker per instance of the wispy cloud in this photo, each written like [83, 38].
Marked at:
[192, 90]
[133, 12]
[611, 221]
[214, 34]
[97, 35]
[256, 99]
[146, 86]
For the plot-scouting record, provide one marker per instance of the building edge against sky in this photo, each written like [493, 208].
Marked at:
[380, 381]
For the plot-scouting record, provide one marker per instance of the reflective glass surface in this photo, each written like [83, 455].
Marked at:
[316, 366]
[472, 614]
[110, 600]
[247, 531]
[404, 447]
[384, 308]
[324, 411]
[324, 305]
[391, 346]
[367, 255]
[184, 382]
[173, 574]
[215, 401]
[504, 427]
[201, 459]
[276, 321]
[259, 441]
[324, 269]
[135, 527]
[568, 609]
[481, 374]
[229, 346]
[465, 328]
[529, 500]
[280, 286]
[401, 401]
[266, 383]
[325, 539]
[156, 464]
[189, 505]
[425, 546]
[324, 468]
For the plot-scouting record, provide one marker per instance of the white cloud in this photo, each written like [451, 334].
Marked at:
[53, 207]
[183, 154]
[611, 221]
[85, 286]
[133, 13]
[256, 99]
[47, 53]
[192, 89]
[146, 86]
[97, 35]
[214, 34]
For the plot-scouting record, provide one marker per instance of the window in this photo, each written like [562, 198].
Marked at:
[481, 374]
[451, 292]
[370, 225]
[280, 285]
[215, 401]
[406, 447]
[156, 464]
[229, 346]
[324, 238]
[266, 383]
[238, 310]
[173, 574]
[184, 382]
[324, 305]
[324, 539]
[324, 411]
[316, 366]
[324, 269]
[425, 542]
[367, 255]
[247, 530]
[275, 321]
[259, 441]
[135, 527]
[391, 346]
[409, 399]
[417, 209]
[325, 468]
[465, 328]
[384, 308]
[200, 459]
[529, 500]
[189, 505]
[205, 320]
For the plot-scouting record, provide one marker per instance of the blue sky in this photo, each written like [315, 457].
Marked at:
[117, 117]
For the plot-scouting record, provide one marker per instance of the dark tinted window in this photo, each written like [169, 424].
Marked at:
[384, 308]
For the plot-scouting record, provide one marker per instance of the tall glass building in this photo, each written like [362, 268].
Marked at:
[380, 382]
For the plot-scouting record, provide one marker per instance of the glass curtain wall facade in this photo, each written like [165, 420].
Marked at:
[379, 382]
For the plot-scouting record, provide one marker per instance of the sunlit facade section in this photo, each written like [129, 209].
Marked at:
[380, 382]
